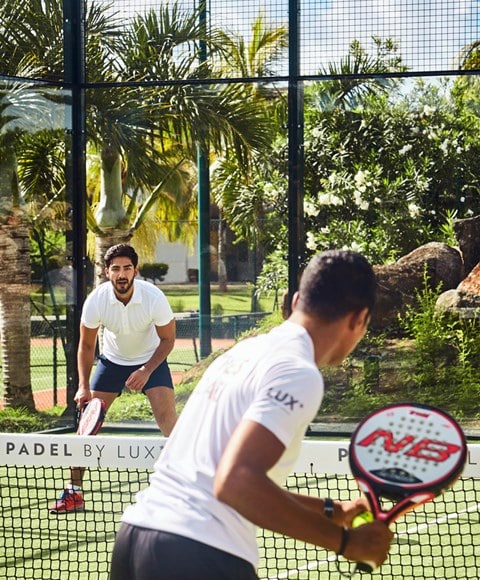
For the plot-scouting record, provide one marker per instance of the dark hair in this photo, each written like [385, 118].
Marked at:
[336, 282]
[120, 250]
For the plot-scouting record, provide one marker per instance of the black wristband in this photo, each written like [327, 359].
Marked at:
[343, 541]
[328, 507]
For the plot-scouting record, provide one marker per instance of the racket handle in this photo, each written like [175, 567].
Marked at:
[365, 567]
[360, 520]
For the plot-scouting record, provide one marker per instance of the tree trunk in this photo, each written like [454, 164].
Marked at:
[110, 212]
[15, 313]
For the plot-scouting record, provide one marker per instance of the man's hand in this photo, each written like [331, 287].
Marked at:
[349, 510]
[369, 543]
[82, 396]
[138, 379]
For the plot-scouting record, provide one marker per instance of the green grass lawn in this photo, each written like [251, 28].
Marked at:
[237, 299]
[185, 297]
[45, 371]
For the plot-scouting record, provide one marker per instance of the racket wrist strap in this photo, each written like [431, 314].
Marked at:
[343, 541]
[328, 507]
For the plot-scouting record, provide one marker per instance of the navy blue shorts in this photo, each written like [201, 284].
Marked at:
[141, 554]
[110, 377]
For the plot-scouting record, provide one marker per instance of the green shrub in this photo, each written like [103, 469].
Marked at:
[445, 360]
[154, 271]
[217, 309]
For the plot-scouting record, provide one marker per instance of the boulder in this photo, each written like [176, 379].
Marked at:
[465, 298]
[467, 234]
[399, 282]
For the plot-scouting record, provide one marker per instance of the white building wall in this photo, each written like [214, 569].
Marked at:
[179, 258]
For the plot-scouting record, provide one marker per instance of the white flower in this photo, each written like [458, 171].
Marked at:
[311, 242]
[310, 209]
[413, 210]
[444, 147]
[427, 110]
[359, 201]
[329, 199]
[361, 179]
[364, 205]
[354, 246]
[405, 149]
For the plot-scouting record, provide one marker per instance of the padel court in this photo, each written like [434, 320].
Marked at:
[438, 540]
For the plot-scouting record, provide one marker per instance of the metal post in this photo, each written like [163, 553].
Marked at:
[296, 236]
[55, 367]
[74, 63]
[204, 319]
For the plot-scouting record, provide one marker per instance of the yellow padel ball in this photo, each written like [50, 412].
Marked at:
[363, 518]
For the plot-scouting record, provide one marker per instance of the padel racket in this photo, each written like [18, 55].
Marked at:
[91, 417]
[406, 454]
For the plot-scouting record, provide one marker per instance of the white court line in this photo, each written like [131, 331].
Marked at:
[443, 520]
[411, 530]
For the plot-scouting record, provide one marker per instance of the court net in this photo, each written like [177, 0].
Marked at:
[438, 540]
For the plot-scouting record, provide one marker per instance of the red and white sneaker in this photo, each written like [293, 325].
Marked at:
[69, 501]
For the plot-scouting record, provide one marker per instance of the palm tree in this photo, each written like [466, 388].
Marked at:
[30, 47]
[19, 106]
[143, 140]
[357, 75]
[241, 202]
[469, 57]
[146, 139]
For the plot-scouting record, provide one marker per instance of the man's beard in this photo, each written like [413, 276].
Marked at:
[125, 286]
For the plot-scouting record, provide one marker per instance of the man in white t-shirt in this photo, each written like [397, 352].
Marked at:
[138, 335]
[222, 471]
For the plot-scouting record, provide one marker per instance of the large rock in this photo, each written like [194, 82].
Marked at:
[399, 282]
[467, 233]
[465, 298]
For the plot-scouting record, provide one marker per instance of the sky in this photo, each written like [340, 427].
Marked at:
[430, 33]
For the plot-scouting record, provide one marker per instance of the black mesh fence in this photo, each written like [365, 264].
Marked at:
[117, 96]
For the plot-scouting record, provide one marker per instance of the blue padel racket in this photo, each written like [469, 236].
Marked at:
[407, 454]
[91, 417]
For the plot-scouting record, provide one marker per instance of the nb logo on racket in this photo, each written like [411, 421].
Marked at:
[426, 449]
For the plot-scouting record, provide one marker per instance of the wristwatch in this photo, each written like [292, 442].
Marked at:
[328, 507]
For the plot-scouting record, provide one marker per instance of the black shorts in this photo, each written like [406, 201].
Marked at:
[143, 554]
[110, 377]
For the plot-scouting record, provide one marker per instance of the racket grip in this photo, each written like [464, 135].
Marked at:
[360, 520]
[365, 567]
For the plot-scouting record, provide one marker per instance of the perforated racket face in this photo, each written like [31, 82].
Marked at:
[92, 416]
[409, 448]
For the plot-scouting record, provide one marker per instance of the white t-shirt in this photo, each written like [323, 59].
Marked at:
[129, 335]
[271, 379]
